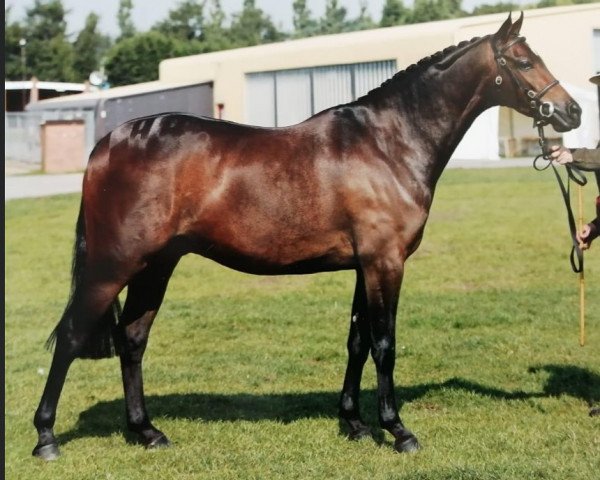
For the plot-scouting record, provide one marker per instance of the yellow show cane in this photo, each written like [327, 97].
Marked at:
[581, 276]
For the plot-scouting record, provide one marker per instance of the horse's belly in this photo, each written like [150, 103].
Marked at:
[273, 252]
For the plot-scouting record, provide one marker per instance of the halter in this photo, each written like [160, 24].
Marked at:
[541, 110]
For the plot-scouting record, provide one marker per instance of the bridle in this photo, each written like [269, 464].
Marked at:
[542, 110]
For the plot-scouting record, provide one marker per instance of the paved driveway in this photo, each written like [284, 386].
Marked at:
[26, 186]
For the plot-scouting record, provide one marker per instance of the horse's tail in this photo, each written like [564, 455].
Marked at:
[101, 342]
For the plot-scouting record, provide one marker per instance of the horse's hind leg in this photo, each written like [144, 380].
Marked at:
[144, 297]
[359, 342]
[89, 304]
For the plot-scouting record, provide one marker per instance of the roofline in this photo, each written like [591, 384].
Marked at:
[43, 85]
[91, 99]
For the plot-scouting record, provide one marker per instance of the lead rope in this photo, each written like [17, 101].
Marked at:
[576, 256]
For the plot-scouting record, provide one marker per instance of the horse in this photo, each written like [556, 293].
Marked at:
[350, 188]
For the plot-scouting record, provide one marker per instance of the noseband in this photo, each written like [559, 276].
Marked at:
[541, 110]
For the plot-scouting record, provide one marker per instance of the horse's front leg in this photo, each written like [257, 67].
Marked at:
[359, 343]
[383, 278]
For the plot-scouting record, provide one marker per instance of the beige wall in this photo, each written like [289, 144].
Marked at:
[227, 69]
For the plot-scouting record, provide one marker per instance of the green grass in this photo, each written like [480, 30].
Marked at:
[243, 373]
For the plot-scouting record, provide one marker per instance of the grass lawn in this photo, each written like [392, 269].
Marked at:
[243, 373]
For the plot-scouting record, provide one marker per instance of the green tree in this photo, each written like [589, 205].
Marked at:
[252, 27]
[13, 33]
[49, 54]
[394, 13]
[304, 24]
[136, 59]
[363, 21]
[485, 9]
[215, 35]
[334, 20]
[89, 48]
[185, 22]
[126, 26]
[431, 10]
[46, 20]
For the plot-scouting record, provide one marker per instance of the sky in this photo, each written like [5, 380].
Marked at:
[144, 15]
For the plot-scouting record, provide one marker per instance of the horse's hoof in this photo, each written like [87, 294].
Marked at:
[159, 442]
[46, 452]
[407, 444]
[360, 433]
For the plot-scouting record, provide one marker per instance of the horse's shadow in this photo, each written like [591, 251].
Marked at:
[106, 418]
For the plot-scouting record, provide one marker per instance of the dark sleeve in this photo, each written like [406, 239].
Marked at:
[586, 158]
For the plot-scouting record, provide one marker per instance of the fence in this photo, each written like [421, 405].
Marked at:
[22, 137]
[22, 134]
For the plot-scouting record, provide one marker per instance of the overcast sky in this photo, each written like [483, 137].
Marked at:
[147, 12]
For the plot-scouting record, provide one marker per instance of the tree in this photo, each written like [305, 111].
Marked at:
[89, 48]
[126, 26]
[304, 24]
[252, 27]
[394, 13]
[362, 22]
[45, 21]
[186, 22]
[334, 20]
[49, 54]
[13, 33]
[431, 10]
[136, 59]
[215, 36]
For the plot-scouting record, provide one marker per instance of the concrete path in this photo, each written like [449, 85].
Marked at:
[27, 186]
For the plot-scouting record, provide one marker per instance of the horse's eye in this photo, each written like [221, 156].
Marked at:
[524, 64]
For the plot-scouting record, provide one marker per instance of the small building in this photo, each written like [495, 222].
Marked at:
[17, 94]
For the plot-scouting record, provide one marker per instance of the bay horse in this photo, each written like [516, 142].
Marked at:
[348, 189]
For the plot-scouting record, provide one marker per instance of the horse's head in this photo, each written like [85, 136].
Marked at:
[524, 83]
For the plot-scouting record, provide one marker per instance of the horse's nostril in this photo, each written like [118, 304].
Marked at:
[574, 110]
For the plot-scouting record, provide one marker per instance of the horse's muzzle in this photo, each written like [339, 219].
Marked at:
[563, 120]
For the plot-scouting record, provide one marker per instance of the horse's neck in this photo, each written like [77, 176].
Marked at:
[437, 109]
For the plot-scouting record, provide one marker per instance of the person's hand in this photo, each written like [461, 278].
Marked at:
[586, 235]
[560, 154]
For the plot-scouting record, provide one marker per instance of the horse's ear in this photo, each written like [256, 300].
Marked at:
[501, 36]
[516, 27]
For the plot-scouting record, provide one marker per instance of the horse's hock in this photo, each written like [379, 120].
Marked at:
[63, 145]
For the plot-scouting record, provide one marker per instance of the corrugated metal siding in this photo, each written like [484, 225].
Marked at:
[368, 76]
[286, 97]
[332, 86]
[195, 99]
[293, 91]
[260, 98]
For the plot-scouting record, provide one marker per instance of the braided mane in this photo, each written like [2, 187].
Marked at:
[442, 60]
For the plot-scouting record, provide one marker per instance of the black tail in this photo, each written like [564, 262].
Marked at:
[101, 342]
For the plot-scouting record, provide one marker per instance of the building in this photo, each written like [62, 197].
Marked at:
[284, 83]
[17, 94]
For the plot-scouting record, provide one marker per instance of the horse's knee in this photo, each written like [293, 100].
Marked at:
[383, 352]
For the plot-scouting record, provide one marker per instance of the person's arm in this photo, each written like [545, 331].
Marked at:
[586, 158]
